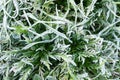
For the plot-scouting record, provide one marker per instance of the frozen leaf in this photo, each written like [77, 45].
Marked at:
[36, 77]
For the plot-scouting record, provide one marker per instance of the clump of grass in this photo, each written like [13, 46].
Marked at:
[59, 40]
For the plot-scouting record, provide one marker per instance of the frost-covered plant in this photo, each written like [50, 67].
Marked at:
[59, 40]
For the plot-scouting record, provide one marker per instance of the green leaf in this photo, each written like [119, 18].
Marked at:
[34, 43]
[25, 74]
